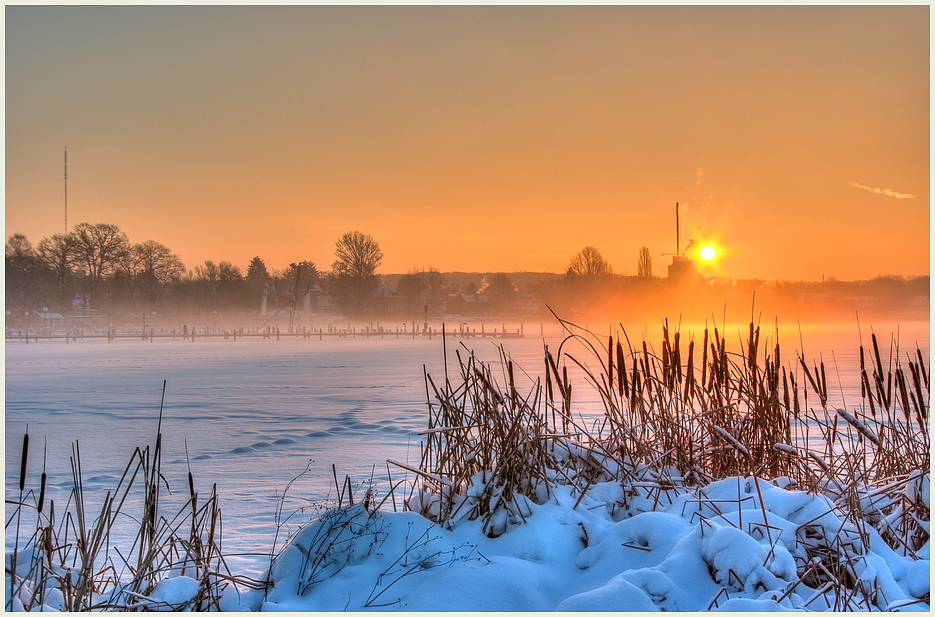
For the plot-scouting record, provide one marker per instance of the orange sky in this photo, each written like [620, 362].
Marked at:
[480, 138]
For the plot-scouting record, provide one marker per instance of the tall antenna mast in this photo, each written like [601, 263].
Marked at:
[66, 189]
[677, 245]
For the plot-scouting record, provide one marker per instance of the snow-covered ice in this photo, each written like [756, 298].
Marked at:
[251, 416]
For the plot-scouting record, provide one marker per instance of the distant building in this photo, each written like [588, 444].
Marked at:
[528, 303]
[322, 302]
[919, 306]
[46, 319]
[813, 299]
[862, 301]
[385, 292]
[682, 272]
[469, 305]
[391, 301]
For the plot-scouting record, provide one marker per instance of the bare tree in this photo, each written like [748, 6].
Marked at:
[358, 256]
[19, 251]
[502, 291]
[158, 262]
[57, 252]
[23, 266]
[644, 267]
[230, 283]
[588, 264]
[207, 277]
[99, 248]
[228, 272]
[155, 268]
[423, 288]
[208, 273]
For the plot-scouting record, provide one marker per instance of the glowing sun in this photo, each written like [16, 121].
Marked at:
[707, 253]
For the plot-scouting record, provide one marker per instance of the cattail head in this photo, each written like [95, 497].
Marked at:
[22, 463]
[42, 491]
[621, 372]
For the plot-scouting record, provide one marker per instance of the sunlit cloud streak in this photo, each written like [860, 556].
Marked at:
[887, 192]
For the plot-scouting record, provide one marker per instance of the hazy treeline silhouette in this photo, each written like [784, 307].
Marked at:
[96, 269]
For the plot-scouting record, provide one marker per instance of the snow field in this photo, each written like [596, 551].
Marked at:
[249, 418]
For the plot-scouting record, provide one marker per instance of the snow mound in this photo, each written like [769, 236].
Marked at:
[716, 548]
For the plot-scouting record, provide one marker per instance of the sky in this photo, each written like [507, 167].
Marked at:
[795, 139]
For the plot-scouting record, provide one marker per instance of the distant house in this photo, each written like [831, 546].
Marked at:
[469, 305]
[386, 292]
[388, 299]
[528, 303]
[322, 302]
[86, 318]
[46, 319]
[862, 301]
[813, 299]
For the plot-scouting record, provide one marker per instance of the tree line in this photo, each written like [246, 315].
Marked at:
[95, 268]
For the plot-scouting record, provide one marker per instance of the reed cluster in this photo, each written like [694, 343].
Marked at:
[70, 561]
[677, 418]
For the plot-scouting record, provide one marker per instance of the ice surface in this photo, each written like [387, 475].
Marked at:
[248, 416]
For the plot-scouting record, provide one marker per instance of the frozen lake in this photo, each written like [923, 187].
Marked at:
[253, 414]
